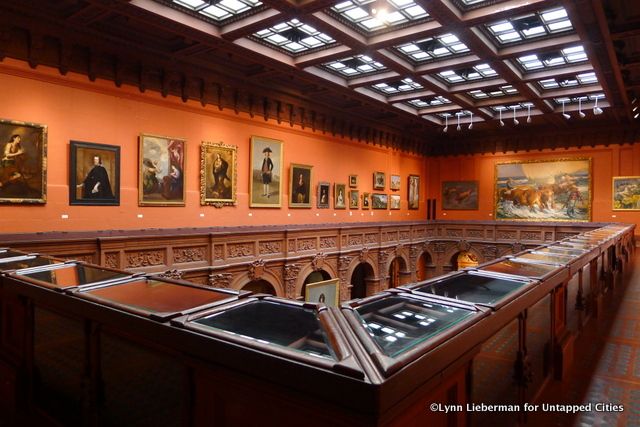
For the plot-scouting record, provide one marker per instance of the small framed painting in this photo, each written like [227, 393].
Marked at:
[379, 201]
[300, 186]
[626, 193]
[394, 182]
[339, 194]
[94, 174]
[354, 199]
[394, 200]
[460, 195]
[161, 171]
[366, 201]
[414, 191]
[353, 181]
[323, 195]
[326, 292]
[378, 180]
[218, 176]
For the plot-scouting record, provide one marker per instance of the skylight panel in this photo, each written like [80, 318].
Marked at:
[194, 4]
[355, 65]
[477, 72]
[435, 101]
[433, 47]
[294, 36]
[390, 88]
[534, 25]
[364, 14]
[574, 99]
[583, 79]
[218, 11]
[564, 56]
[494, 92]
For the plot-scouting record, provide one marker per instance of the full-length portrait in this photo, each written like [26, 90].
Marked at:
[23, 162]
[218, 165]
[94, 174]
[265, 181]
[161, 173]
[414, 191]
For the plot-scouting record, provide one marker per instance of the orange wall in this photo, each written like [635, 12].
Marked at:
[607, 162]
[76, 109]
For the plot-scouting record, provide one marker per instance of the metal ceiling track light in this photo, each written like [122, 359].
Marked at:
[458, 115]
[529, 113]
[580, 112]
[501, 122]
[565, 115]
[446, 123]
[597, 110]
[471, 124]
[515, 121]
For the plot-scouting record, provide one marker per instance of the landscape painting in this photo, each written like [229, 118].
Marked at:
[460, 195]
[544, 190]
[626, 193]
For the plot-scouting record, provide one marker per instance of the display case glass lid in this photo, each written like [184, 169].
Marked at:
[476, 288]
[69, 275]
[271, 322]
[155, 298]
[559, 250]
[520, 268]
[548, 258]
[400, 322]
[27, 261]
[10, 253]
[576, 245]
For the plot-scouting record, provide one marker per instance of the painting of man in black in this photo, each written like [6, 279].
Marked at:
[96, 184]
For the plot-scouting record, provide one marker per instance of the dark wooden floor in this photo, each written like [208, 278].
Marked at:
[607, 363]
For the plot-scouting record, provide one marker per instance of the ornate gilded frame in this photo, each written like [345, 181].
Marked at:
[256, 155]
[613, 192]
[144, 199]
[209, 194]
[306, 170]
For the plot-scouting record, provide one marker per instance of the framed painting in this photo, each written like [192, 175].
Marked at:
[161, 171]
[218, 174]
[394, 182]
[326, 292]
[300, 186]
[366, 203]
[265, 182]
[324, 192]
[626, 193]
[354, 199]
[544, 190]
[23, 162]
[339, 194]
[460, 195]
[394, 201]
[379, 201]
[353, 181]
[378, 180]
[414, 191]
[94, 174]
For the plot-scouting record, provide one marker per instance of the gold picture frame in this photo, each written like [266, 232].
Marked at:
[625, 193]
[366, 201]
[161, 170]
[300, 177]
[339, 196]
[354, 199]
[265, 179]
[218, 174]
[414, 192]
[378, 180]
[23, 152]
[544, 190]
[353, 181]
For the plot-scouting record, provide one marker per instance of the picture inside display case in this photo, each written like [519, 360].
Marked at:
[339, 194]
[23, 162]
[218, 174]
[379, 201]
[394, 200]
[460, 195]
[325, 292]
[300, 186]
[354, 199]
[394, 182]
[265, 182]
[414, 191]
[366, 200]
[94, 174]
[378, 180]
[544, 190]
[626, 193]
[161, 173]
[324, 195]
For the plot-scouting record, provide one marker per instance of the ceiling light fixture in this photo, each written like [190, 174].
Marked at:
[529, 113]
[597, 110]
[471, 124]
[501, 122]
[446, 124]
[565, 115]
[580, 113]
[458, 115]
[515, 121]
[379, 10]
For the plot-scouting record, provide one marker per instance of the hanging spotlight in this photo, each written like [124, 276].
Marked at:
[458, 127]
[379, 10]
[471, 124]
[565, 115]
[580, 113]
[529, 113]
[596, 110]
[501, 122]
[515, 121]
[446, 124]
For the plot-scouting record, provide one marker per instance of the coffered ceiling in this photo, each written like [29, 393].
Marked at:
[418, 74]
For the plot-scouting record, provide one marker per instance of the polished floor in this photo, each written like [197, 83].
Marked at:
[606, 370]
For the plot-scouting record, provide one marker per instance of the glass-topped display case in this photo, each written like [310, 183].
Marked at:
[559, 250]
[397, 327]
[483, 288]
[26, 261]
[306, 332]
[519, 268]
[156, 298]
[547, 258]
[10, 253]
[69, 275]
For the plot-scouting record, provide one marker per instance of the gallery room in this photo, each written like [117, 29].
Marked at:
[306, 212]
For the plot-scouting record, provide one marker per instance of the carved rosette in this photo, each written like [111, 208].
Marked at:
[144, 258]
[318, 261]
[290, 275]
[182, 255]
[219, 280]
[171, 274]
[112, 260]
[256, 269]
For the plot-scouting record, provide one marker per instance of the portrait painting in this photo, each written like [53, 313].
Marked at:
[460, 195]
[626, 193]
[394, 182]
[379, 201]
[218, 174]
[326, 292]
[161, 175]
[394, 201]
[300, 186]
[324, 195]
[353, 181]
[414, 191]
[366, 200]
[354, 199]
[265, 182]
[339, 196]
[378, 180]
[23, 162]
[94, 174]
[544, 190]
